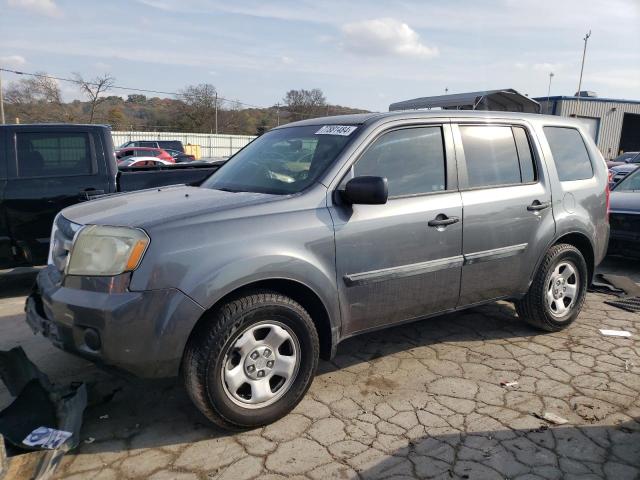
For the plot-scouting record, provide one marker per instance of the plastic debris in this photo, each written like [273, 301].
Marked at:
[504, 383]
[89, 440]
[552, 418]
[48, 438]
[615, 333]
[104, 417]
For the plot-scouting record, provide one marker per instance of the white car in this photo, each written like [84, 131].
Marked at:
[142, 162]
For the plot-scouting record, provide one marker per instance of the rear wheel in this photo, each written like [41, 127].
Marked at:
[558, 290]
[252, 360]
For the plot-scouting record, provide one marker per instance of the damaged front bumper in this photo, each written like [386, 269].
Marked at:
[143, 333]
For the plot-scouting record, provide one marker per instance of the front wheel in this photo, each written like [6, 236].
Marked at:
[252, 360]
[558, 290]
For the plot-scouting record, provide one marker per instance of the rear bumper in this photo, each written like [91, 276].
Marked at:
[143, 333]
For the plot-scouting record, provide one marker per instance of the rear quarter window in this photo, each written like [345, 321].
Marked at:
[570, 153]
[53, 154]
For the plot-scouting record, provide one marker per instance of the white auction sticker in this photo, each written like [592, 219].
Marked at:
[343, 130]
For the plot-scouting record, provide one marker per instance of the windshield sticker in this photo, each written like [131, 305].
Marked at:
[343, 130]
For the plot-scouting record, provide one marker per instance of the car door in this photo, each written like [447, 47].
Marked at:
[506, 199]
[49, 169]
[391, 264]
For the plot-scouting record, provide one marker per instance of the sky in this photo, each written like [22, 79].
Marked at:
[364, 54]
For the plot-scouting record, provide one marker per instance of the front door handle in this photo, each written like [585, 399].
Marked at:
[536, 206]
[443, 221]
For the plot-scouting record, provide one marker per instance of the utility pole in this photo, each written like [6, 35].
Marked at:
[216, 112]
[584, 53]
[549, 90]
[278, 113]
[2, 121]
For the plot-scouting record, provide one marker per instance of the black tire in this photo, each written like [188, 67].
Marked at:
[206, 348]
[534, 308]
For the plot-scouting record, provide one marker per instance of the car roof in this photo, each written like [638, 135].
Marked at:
[374, 117]
[138, 159]
[140, 148]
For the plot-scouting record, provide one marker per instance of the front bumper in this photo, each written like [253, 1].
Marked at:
[143, 333]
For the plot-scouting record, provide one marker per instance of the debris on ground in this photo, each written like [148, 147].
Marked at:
[615, 333]
[43, 421]
[622, 287]
[104, 417]
[89, 440]
[551, 418]
[630, 304]
[504, 383]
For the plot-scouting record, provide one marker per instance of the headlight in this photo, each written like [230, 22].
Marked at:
[107, 251]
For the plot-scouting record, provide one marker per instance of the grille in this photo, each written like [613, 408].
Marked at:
[619, 176]
[61, 241]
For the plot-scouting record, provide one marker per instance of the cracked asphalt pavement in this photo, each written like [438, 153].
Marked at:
[420, 400]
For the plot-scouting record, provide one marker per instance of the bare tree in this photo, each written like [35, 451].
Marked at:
[93, 88]
[305, 103]
[200, 103]
[36, 99]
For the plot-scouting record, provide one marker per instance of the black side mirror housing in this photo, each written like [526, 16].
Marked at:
[366, 190]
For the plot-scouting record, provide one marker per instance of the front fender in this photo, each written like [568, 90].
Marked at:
[246, 271]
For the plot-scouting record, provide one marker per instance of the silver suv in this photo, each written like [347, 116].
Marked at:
[320, 230]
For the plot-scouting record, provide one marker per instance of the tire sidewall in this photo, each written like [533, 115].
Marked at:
[575, 257]
[253, 417]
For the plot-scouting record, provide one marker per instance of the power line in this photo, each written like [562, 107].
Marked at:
[176, 94]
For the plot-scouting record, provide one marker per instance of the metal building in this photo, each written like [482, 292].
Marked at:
[614, 124]
[503, 100]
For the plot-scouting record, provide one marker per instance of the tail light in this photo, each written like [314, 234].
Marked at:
[607, 192]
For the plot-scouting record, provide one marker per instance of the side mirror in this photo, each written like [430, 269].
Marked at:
[366, 190]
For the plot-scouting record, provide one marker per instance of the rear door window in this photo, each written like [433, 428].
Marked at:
[53, 154]
[412, 160]
[491, 155]
[569, 153]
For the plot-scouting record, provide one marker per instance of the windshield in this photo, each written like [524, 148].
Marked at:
[282, 161]
[626, 156]
[631, 183]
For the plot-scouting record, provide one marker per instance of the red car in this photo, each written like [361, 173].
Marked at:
[144, 152]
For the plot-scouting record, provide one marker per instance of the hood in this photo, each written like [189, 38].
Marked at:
[625, 167]
[625, 202]
[148, 207]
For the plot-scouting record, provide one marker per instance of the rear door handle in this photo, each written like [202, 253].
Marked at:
[536, 206]
[443, 221]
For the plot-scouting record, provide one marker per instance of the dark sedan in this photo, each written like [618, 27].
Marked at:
[625, 216]
[621, 171]
[623, 158]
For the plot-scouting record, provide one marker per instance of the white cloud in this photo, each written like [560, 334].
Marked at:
[12, 61]
[42, 7]
[102, 66]
[286, 60]
[547, 67]
[539, 67]
[385, 36]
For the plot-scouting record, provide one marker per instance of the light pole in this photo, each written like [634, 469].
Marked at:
[1, 102]
[584, 53]
[216, 105]
[549, 91]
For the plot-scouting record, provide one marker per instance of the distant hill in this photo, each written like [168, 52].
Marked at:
[140, 113]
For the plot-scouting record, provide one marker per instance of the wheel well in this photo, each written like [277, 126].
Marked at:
[582, 243]
[298, 292]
